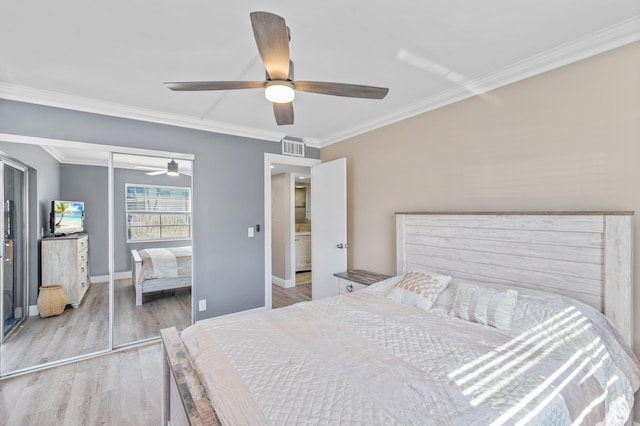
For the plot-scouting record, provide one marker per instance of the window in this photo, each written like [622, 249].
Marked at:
[157, 212]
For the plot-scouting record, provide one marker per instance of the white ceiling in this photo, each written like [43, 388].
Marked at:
[111, 57]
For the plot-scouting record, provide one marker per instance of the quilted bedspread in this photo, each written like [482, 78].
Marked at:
[166, 262]
[363, 359]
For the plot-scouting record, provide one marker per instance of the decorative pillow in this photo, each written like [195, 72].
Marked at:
[419, 289]
[486, 306]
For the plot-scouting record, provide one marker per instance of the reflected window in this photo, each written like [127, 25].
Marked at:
[157, 212]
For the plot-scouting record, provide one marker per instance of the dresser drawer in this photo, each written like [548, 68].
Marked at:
[357, 279]
[349, 286]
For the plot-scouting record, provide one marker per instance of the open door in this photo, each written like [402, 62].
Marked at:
[329, 217]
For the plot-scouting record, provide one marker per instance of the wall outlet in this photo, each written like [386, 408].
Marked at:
[202, 305]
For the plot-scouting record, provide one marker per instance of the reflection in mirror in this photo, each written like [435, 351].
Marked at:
[55, 269]
[152, 246]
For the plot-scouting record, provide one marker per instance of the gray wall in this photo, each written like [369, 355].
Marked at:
[228, 192]
[44, 186]
[48, 175]
[89, 184]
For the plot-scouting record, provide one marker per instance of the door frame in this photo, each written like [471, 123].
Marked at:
[25, 237]
[270, 159]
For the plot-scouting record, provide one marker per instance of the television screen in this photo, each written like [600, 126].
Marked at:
[67, 217]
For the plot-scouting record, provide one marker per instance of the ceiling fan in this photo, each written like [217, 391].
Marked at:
[272, 37]
[171, 170]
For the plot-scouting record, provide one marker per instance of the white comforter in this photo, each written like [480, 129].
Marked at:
[362, 359]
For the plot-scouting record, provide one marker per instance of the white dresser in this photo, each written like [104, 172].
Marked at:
[65, 261]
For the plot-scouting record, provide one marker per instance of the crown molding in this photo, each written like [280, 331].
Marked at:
[610, 38]
[80, 145]
[77, 103]
[618, 35]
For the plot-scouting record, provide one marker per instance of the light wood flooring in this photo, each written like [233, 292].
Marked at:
[76, 332]
[121, 388]
[85, 330]
[281, 297]
[161, 309]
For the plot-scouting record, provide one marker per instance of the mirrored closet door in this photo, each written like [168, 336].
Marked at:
[55, 275]
[152, 246]
[96, 249]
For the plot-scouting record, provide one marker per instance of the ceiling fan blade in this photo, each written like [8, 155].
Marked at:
[272, 38]
[185, 173]
[283, 113]
[156, 173]
[214, 85]
[342, 89]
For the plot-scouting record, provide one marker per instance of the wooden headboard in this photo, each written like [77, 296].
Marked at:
[584, 255]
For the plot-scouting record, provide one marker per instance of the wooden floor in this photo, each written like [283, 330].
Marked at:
[85, 330]
[121, 388]
[161, 309]
[76, 332]
[281, 297]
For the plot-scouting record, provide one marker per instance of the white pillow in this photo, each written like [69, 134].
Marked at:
[486, 306]
[419, 289]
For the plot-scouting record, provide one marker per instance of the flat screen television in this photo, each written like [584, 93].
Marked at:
[67, 217]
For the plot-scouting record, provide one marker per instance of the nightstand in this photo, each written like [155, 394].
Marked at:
[356, 279]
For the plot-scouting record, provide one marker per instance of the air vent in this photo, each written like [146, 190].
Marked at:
[293, 147]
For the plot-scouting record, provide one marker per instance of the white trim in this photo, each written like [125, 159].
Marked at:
[237, 314]
[33, 140]
[95, 279]
[268, 160]
[606, 39]
[593, 44]
[19, 93]
[33, 310]
[111, 244]
[283, 283]
[292, 228]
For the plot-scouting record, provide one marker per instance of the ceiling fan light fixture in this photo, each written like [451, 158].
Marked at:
[279, 91]
[172, 168]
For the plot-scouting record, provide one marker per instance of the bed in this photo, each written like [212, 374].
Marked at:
[369, 358]
[157, 269]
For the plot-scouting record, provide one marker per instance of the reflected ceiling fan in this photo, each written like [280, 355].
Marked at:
[171, 170]
[272, 37]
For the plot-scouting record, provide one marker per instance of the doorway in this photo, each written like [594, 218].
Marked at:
[13, 268]
[290, 230]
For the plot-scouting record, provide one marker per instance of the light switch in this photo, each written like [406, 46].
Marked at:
[250, 232]
[202, 305]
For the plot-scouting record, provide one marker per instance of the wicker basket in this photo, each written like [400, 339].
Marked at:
[51, 300]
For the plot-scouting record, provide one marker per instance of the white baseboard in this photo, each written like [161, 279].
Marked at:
[33, 310]
[237, 314]
[105, 278]
[283, 283]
